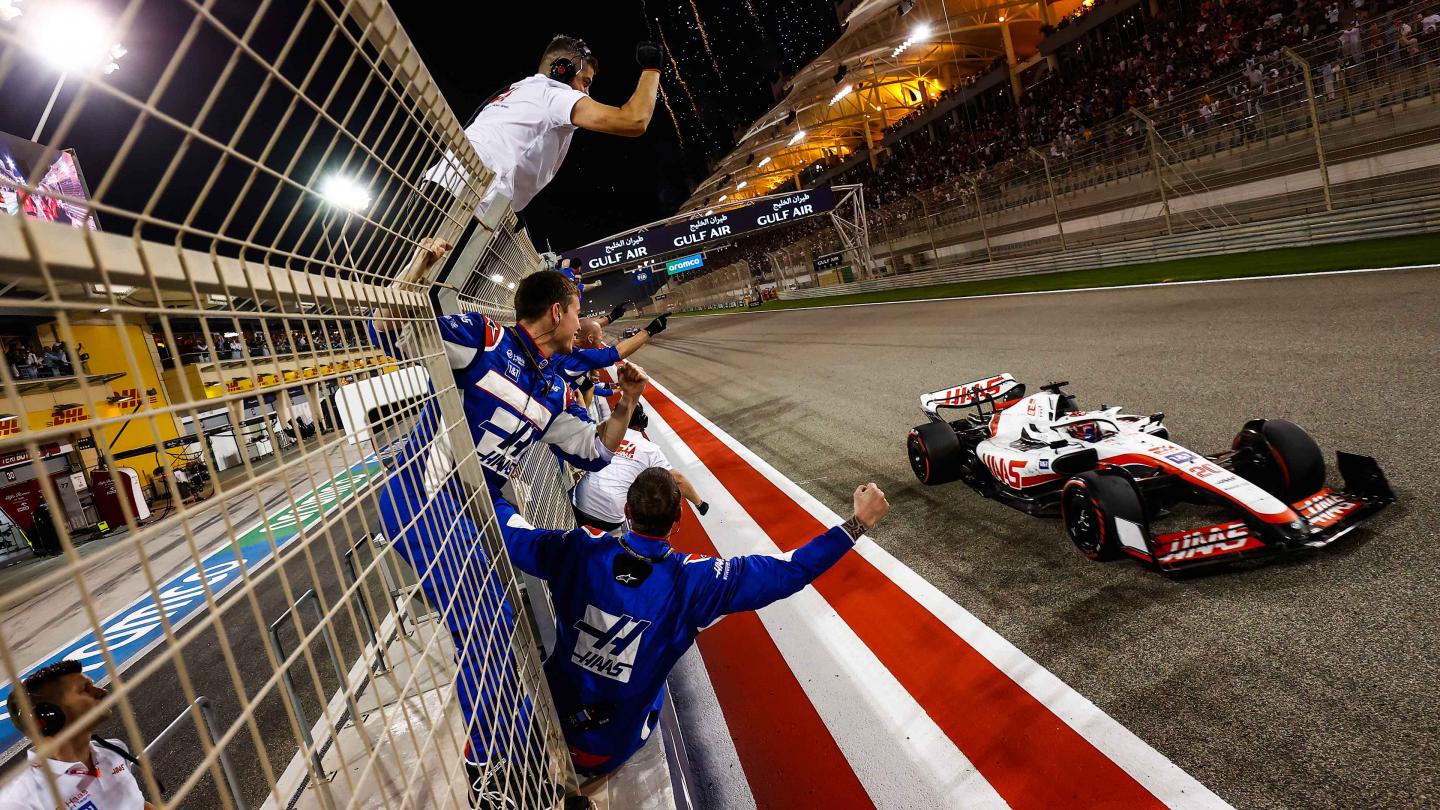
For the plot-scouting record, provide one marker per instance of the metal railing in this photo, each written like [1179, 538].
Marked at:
[211, 168]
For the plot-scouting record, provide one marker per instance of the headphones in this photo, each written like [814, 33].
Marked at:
[564, 70]
[49, 718]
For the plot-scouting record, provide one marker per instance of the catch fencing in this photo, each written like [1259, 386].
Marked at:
[194, 393]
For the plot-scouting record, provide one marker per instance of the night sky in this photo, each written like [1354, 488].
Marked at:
[610, 184]
[607, 183]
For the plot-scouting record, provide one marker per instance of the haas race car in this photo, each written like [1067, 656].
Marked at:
[1112, 477]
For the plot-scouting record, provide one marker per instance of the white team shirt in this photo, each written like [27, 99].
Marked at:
[602, 493]
[111, 786]
[522, 136]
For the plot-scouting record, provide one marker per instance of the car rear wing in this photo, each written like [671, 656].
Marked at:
[1000, 388]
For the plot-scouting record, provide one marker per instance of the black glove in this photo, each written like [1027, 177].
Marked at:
[649, 55]
[617, 313]
[658, 325]
[703, 508]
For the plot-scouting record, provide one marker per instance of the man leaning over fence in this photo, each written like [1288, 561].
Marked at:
[627, 608]
[513, 396]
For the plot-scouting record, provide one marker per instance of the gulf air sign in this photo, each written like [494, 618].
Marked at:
[701, 231]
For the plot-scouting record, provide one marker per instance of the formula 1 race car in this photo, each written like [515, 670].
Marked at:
[1111, 477]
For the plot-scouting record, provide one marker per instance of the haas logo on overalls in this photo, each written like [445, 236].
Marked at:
[606, 644]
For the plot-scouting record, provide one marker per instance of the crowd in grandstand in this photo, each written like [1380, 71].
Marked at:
[1152, 68]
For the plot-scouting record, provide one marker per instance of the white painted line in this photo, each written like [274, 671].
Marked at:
[1277, 277]
[1155, 772]
[901, 756]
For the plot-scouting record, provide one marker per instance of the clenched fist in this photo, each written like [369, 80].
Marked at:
[632, 380]
[870, 504]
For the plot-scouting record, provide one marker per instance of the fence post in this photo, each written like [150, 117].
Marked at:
[1151, 137]
[1050, 185]
[980, 215]
[929, 229]
[1314, 121]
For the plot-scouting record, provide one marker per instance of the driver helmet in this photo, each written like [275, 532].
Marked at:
[1085, 431]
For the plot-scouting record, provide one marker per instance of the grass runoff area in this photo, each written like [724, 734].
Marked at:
[1389, 252]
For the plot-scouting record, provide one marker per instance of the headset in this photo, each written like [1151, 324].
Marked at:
[50, 720]
[564, 70]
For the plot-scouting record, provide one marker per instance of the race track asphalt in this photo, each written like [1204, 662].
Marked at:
[1303, 682]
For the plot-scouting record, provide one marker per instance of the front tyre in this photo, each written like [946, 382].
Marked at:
[1283, 459]
[934, 452]
[1090, 503]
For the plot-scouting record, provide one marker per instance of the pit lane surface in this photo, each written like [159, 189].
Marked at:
[1298, 682]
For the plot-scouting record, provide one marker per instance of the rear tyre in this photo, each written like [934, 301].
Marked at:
[1090, 503]
[1284, 460]
[934, 452]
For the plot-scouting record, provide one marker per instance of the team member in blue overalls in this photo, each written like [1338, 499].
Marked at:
[627, 608]
[513, 397]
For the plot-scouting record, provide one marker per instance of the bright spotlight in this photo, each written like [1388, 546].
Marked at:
[724, 197]
[741, 184]
[763, 161]
[510, 286]
[841, 93]
[345, 193]
[72, 36]
[796, 138]
[919, 33]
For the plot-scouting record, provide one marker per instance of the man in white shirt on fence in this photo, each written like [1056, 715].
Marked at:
[88, 772]
[599, 498]
[524, 131]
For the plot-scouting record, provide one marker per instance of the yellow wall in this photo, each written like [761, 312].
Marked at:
[107, 349]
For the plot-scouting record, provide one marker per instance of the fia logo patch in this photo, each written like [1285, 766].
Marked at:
[606, 644]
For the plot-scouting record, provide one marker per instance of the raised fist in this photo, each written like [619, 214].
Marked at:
[649, 55]
[870, 504]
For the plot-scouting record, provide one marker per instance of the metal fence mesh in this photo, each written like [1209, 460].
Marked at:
[208, 421]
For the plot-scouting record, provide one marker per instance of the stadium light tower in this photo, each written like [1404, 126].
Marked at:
[71, 37]
[350, 196]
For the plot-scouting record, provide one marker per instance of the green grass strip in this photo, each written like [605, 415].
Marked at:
[1397, 251]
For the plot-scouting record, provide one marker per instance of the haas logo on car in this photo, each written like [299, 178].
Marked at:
[1223, 538]
[1325, 508]
[966, 394]
[1006, 472]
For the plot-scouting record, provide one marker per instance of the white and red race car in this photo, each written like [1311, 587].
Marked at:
[1114, 477]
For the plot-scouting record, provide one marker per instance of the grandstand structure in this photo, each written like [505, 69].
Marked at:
[1095, 154]
[890, 63]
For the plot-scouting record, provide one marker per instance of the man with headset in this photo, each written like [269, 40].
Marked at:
[524, 131]
[87, 771]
